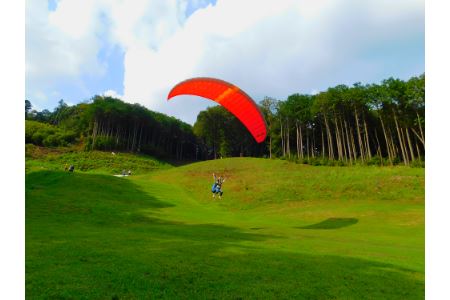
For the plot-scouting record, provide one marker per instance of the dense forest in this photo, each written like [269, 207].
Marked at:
[106, 123]
[370, 124]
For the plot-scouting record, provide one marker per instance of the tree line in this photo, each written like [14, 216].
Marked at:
[106, 123]
[371, 124]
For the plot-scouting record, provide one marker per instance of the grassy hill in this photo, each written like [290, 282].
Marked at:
[281, 231]
[56, 159]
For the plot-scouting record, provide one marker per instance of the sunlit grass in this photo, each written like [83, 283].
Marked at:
[281, 231]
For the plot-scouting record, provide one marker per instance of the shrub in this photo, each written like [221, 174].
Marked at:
[419, 163]
[104, 143]
[43, 134]
[375, 160]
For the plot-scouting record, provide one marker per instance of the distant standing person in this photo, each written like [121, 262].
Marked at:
[71, 168]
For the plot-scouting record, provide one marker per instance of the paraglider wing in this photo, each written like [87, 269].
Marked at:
[230, 97]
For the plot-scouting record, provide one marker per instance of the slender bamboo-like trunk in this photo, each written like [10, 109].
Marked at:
[352, 138]
[404, 145]
[388, 146]
[393, 145]
[313, 145]
[288, 146]
[338, 140]
[378, 148]
[400, 139]
[361, 148]
[301, 142]
[330, 140]
[417, 148]
[307, 145]
[297, 139]
[421, 130]
[94, 133]
[348, 142]
[323, 144]
[410, 145]
[420, 138]
[344, 148]
[369, 155]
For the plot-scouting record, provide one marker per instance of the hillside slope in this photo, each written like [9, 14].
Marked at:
[281, 231]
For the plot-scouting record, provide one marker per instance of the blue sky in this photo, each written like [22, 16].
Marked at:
[137, 50]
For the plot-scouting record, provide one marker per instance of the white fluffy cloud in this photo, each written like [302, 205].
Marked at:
[275, 48]
[266, 47]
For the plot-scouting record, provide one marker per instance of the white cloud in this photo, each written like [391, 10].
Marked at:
[272, 48]
[112, 93]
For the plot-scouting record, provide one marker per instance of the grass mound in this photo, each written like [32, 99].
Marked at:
[160, 235]
[253, 181]
[39, 158]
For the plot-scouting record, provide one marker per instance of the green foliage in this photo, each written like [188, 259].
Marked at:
[224, 134]
[47, 135]
[418, 163]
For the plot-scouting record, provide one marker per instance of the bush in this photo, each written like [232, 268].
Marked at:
[375, 161]
[418, 163]
[43, 134]
[104, 143]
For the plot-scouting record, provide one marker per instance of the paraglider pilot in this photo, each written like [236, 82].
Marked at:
[217, 186]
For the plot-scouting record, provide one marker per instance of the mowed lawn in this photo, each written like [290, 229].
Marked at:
[281, 231]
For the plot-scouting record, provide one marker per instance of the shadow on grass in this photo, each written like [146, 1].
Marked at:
[331, 223]
[99, 237]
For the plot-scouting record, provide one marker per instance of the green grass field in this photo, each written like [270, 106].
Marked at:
[281, 231]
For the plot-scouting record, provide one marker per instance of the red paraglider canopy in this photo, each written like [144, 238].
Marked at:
[230, 97]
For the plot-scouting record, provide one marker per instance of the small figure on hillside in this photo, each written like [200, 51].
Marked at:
[217, 186]
[129, 172]
[71, 168]
[124, 173]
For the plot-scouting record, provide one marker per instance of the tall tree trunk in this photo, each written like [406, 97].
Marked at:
[348, 142]
[301, 142]
[352, 139]
[417, 148]
[410, 145]
[313, 144]
[344, 148]
[288, 146]
[393, 145]
[378, 147]
[307, 145]
[323, 144]
[297, 139]
[388, 145]
[419, 136]
[330, 140]
[400, 139]
[369, 155]
[94, 133]
[361, 148]
[420, 127]
[338, 140]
